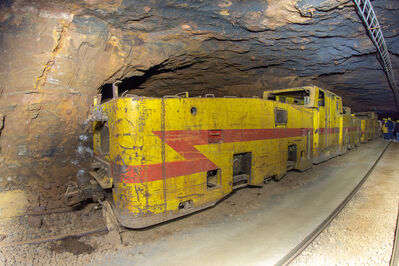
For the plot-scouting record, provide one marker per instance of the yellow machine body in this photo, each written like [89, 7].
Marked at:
[351, 130]
[167, 157]
[355, 133]
[172, 156]
[326, 107]
[370, 126]
[346, 128]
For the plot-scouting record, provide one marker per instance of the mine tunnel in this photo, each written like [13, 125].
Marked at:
[221, 132]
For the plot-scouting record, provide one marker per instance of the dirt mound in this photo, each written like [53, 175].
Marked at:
[72, 245]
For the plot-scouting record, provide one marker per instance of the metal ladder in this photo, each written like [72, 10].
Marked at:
[366, 12]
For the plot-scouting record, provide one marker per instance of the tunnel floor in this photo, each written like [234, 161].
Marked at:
[252, 226]
[266, 227]
[363, 233]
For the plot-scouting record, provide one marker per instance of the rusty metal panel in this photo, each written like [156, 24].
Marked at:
[163, 152]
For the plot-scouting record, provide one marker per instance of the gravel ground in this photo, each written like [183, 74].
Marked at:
[87, 249]
[363, 233]
[57, 252]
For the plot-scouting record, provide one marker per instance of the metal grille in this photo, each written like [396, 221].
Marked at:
[368, 16]
[104, 136]
[280, 116]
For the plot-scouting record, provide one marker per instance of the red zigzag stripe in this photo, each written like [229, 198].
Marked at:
[183, 142]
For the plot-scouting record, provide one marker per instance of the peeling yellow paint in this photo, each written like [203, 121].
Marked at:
[135, 144]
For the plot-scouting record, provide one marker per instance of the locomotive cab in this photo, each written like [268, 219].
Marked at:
[327, 115]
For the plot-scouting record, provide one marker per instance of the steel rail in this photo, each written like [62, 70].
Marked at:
[366, 12]
[287, 259]
[42, 213]
[55, 237]
[395, 248]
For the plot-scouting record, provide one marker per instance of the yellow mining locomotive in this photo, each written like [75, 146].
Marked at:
[167, 157]
[370, 126]
[351, 130]
[326, 110]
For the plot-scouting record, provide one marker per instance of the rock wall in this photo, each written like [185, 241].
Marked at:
[55, 56]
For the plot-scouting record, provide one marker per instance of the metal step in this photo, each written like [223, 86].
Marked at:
[240, 181]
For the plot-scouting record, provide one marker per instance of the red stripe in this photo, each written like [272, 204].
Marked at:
[353, 128]
[330, 130]
[183, 142]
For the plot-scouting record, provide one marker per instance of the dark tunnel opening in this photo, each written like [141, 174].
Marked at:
[129, 83]
[137, 82]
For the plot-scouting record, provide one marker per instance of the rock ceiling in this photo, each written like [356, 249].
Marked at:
[57, 54]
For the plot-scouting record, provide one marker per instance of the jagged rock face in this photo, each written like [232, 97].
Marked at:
[57, 55]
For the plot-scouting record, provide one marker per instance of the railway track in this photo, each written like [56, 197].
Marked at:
[284, 261]
[55, 237]
[395, 250]
[73, 234]
[317, 231]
